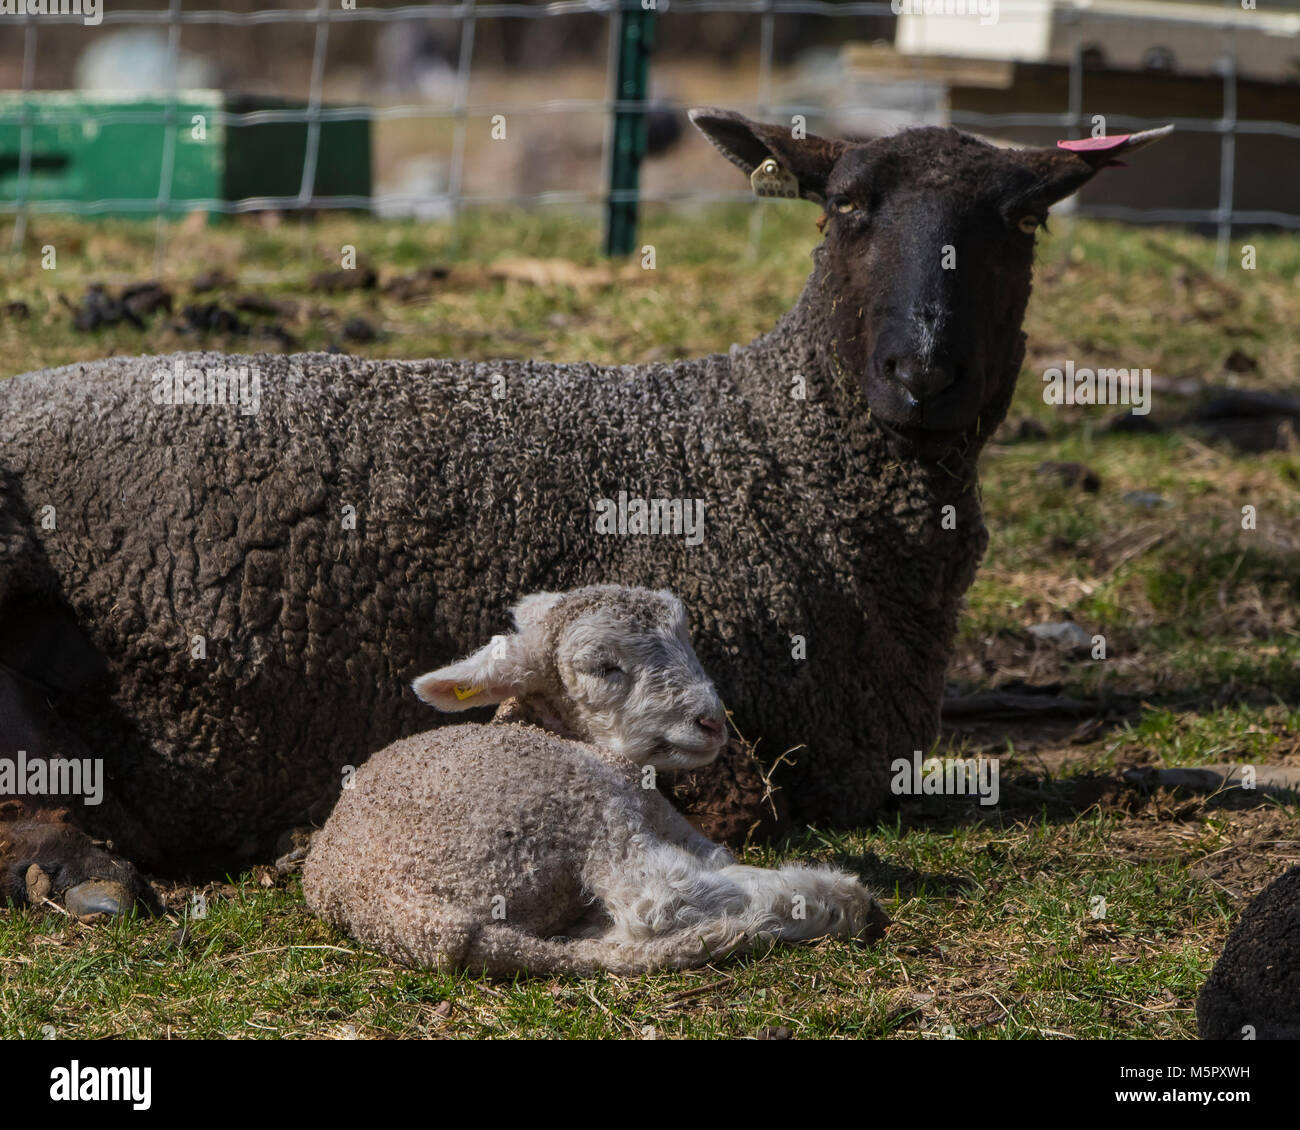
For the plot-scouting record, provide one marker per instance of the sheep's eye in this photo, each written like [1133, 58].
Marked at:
[845, 206]
[603, 670]
[1028, 224]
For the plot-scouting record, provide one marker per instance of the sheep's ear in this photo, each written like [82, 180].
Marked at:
[1072, 164]
[748, 144]
[507, 666]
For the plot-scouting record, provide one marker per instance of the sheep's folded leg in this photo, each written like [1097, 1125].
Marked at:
[44, 861]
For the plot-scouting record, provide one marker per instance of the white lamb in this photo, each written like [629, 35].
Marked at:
[539, 844]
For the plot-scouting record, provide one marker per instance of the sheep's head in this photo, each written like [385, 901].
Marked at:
[604, 664]
[923, 278]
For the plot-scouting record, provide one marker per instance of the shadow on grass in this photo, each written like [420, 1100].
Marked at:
[883, 875]
[1041, 799]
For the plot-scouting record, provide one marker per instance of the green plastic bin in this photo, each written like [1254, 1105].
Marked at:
[107, 151]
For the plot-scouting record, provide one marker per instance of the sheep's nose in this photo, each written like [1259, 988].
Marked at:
[711, 726]
[919, 379]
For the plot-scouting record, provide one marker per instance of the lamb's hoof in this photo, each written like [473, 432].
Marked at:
[292, 849]
[45, 861]
[97, 900]
[878, 921]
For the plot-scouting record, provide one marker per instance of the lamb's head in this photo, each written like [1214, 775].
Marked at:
[923, 277]
[604, 664]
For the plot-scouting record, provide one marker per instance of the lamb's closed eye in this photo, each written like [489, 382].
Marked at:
[599, 667]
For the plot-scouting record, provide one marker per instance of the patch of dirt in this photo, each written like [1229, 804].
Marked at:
[1008, 656]
[1262, 843]
[1240, 847]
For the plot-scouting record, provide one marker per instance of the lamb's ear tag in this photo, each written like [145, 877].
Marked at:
[463, 692]
[770, 179]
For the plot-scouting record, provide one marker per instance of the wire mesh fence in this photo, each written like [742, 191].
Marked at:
[324, 18]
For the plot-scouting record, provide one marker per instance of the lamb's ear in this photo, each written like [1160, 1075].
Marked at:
[532, 610]
[1070, 166]
[491, 674]
[677, 608]
[507, 666]
[748, 144]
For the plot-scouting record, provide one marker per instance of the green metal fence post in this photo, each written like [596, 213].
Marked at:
[635, 39]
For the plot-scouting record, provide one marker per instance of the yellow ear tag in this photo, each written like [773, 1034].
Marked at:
[770, 179]
[463, 692]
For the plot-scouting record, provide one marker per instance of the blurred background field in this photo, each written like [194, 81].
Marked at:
[458, 105]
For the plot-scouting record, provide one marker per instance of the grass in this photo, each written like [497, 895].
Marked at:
[998, 929]
[995, 938]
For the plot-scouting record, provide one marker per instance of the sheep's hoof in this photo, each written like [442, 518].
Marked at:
[44, 861]
[39, 886]
[97, 900]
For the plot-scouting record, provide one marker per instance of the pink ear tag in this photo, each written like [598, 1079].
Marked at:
[1097, 145]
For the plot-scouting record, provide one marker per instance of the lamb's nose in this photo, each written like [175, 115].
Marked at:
[711, 726]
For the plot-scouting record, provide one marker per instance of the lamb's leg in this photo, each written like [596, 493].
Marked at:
[669, 892]
[669, 911]
[810, 902]
[676, 829]
[424, 932]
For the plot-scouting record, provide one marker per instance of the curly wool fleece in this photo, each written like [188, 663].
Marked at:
[1253, 993]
